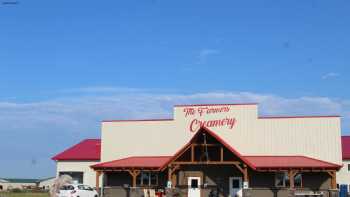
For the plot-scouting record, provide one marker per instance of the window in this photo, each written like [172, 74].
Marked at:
[147, 179]
[348, 167]
[84, 187]
[154, 179]
[235, 183]
[298, 180]
[67, 187]
[282, 180]
[76, 176]
[194, 183]
[1, 188]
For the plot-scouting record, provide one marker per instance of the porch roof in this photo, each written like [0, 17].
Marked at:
[273, 162]
[141, 162]
[259, 162]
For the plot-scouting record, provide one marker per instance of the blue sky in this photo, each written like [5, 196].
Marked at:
[67, 65]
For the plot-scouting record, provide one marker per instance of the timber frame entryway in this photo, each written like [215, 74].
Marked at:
[205, 149]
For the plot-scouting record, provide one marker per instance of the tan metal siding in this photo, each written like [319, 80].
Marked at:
[314, 137]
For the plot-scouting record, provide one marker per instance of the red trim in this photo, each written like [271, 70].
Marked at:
[345, 144]
[196, 105]
[261, 117]
[85, 150]
[80, 159]
[333, 165]
[156, 165]
[330, 163]
[139, 120]
[281, 117]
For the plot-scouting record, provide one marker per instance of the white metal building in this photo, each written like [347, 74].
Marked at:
[76, 161]
[302, 149]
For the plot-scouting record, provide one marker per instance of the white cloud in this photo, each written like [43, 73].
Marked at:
[330, 75]
[205, 53]
[76, 113]
[40, 129]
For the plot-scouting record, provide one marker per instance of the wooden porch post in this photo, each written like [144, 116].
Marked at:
[244, 171]
[98, 174]
[333, 175]
[172, 177]
[134, 174]
[291, 175]
[245, 174]
[221, 153]
[192, 153]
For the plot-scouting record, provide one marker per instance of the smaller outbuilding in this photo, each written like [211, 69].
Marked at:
[76, 161]
[12, 183]
[46, 184]
[15, 183]
[344, 173]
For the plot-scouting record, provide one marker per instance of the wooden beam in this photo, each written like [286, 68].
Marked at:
[175, 167]
[245, 174]
[173, 180]
[209, 145]
[221, 154]
[192, 153]
[134, 174]
[239, 168]
[127, 169]
[98, 174]
[333, 175]
[170, 173]
[206, 162]
[171, 176]
[291, 175]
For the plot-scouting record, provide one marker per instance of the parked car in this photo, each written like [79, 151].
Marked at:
[77, 190]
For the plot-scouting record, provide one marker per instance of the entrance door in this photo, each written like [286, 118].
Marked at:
[194, 186]
[236, 187]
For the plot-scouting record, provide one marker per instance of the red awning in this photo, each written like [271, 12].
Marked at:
[135, 162]
[268, 162]
[259, 162]
[345, 144]
[89, 149]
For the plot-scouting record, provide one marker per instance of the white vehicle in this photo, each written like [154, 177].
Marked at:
[77, 190]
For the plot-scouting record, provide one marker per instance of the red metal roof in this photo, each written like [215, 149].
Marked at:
[135, 162]
[345, 145]
[139, 120]
[214, 104]
[89, 149]
[290, 117]
[260, 162]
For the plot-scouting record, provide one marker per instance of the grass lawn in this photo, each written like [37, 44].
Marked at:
[24, 194]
